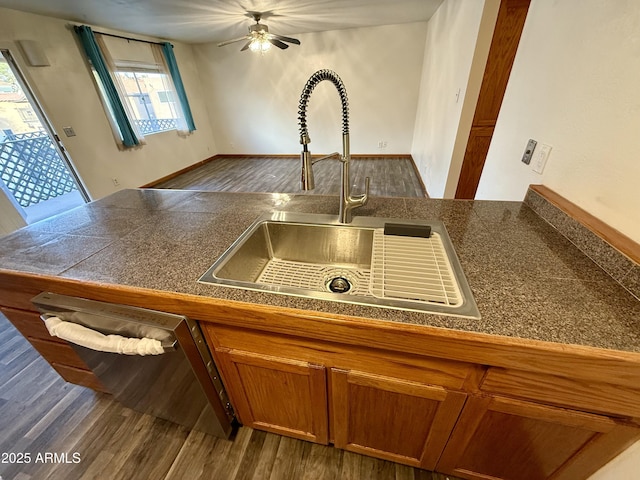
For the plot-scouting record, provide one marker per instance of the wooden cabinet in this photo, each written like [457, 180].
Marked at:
[507, 439]
[57, 352]
[279, 395]
[379, 403]
[390, 418]
[595, 396]
[476, 406]
[469, 420]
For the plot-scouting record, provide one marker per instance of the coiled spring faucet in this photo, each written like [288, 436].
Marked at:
[347, 201]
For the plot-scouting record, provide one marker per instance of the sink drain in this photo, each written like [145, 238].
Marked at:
[339, 285]
[316, 278]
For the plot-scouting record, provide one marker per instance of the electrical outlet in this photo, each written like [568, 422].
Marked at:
[382, 144]
[541, 157]
[115, 181]
[528, 152]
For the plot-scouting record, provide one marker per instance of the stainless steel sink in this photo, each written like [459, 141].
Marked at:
[314, 256]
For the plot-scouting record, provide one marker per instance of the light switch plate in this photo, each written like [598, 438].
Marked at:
[68, 131]
[541, 157]
[528, 152]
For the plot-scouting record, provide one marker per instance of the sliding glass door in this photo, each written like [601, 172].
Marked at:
[35, 173]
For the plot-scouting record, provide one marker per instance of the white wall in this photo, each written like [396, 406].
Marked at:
[69, 97]
[574, 86]
[253, 99]
[624, 467]
[450, 51]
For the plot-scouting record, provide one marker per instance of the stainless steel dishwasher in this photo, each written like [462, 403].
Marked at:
[175, 380]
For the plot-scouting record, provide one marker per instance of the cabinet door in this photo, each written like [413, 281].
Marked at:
[500, 438]
[283, 396]
[398, 420]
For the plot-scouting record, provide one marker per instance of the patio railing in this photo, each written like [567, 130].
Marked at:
[156, 125]
[32, 169]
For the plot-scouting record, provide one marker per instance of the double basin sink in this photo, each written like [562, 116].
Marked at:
[412, 266]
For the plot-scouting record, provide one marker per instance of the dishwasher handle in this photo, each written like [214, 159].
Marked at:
[94, 340]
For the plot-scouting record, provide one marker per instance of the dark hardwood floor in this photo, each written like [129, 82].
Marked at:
[390, 176]
[41, 414]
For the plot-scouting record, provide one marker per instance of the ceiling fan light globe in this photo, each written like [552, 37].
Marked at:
[259, 39]
[259, 45]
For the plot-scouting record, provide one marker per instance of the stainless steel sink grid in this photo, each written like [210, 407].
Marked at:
[315, 256]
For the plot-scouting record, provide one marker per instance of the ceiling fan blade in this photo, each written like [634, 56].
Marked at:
[246, 46]
[277, 43]
[284, 39]
[233, 41]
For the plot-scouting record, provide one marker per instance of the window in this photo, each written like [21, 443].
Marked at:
[150, 113]
[139, 84]
[166, 97]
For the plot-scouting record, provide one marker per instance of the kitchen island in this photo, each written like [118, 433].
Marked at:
[553, 364]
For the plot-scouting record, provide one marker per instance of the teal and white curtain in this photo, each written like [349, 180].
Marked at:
[130, 137]
[172, 68]
[116, 62]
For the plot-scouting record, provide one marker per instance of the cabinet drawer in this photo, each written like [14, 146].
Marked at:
[58, 353]
[566, 392]
[86, 378]
[29, 324]
[18, 298]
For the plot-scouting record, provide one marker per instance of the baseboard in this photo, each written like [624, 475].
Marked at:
[179, 172]
[415, 169]
[403, 156]
[297, 155]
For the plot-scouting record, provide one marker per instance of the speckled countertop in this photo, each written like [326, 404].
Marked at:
[527, 279]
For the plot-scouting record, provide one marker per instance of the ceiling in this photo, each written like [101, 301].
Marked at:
[200, 21]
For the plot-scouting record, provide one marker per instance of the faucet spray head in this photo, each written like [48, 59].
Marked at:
[307, 181]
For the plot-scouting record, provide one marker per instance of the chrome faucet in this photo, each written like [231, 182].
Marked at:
[348, 202]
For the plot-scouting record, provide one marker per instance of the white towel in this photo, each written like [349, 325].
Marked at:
[88, 338]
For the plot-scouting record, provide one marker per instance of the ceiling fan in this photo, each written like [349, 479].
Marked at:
[259, 39]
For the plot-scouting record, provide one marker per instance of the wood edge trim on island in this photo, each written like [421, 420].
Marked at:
[591, 363]
[613, 237]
